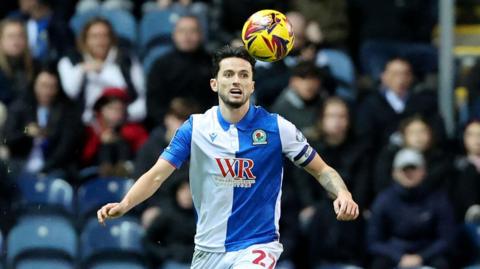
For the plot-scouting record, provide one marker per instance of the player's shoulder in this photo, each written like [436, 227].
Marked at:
[262, 113]
[208, 114]
[266, 118]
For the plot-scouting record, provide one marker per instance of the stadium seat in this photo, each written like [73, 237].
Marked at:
[80, 19]
[122, 21]
[342, 69]
[41, 263]
[117, 265]
[51, 236]
[156, 29]
[120, 239]
[124, 24]
[50, 192]
[96, 192]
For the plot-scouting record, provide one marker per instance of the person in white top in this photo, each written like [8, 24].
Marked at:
[101, 65]
[236, 155]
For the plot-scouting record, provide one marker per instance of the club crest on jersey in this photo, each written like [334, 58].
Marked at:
[259, 137]
[236, 172]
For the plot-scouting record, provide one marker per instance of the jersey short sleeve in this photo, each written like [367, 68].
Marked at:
[179, 148]
[294, 143]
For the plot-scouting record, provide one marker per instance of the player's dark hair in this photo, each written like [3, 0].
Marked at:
[231, 52]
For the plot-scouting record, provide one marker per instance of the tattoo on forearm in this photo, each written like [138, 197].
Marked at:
[332, 182]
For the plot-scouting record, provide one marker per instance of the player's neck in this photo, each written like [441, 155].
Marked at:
[234, 115]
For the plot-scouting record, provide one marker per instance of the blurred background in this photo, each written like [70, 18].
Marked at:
[387, 91]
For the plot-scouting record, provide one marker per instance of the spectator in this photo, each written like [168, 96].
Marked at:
[48, 37]
[410, 225]
[111, 142]
[465, 195]
[379, 114]
[100, 64]
[300, 101]
[41, 131]
[332, 242]
[466, 187]
[183, 72]
[16, 63]
[169, 235]
[416, 133]
[179, 111]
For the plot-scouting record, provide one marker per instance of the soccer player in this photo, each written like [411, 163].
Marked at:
[236, 152]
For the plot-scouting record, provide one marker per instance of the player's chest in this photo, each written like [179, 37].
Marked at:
[238, 141]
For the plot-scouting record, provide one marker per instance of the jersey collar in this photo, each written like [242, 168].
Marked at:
[242, 124]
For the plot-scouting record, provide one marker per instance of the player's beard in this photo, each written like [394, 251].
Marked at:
[233, 103]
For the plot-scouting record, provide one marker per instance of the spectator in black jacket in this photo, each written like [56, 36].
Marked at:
[333, 138]
[41, 131]
[410, 225]
[465, 194]
[330, 241]
[183, 72]
[379, 115]
[300, 101]
[466, 187]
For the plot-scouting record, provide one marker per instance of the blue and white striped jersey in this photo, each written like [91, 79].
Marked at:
[236, 174]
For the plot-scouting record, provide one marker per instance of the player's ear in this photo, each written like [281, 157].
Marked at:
[253, 86]
[214, 84]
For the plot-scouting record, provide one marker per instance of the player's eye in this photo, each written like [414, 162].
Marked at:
[228, 74]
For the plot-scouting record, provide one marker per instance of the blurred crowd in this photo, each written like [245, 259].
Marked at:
[94, 89]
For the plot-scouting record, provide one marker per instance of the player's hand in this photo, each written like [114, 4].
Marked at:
[345, 208]
[110, 211]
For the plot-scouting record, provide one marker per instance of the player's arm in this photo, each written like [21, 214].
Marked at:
[344, 206]
[145, 187]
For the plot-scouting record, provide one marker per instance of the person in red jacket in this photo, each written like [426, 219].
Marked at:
[111, 142]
